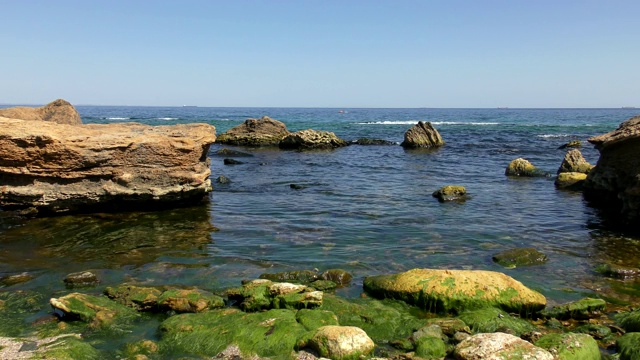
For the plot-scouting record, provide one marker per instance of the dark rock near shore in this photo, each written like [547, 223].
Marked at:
[338, 276]
[255, 132]
[450, 193]
[16, 279]
[312, 140]
[59, 168]
[58, 111]
[422, 135]
[618, 272]
[520, 257]
[571, 144]
[615, 181]
[81, 279]
[232, 162]
[297, 186]
[223, 180]
[574, 162]
[367, 141]
[232, 153]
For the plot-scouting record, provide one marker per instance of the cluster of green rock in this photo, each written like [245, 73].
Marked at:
[421, 313]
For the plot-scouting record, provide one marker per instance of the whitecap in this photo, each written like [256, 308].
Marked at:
[117, 118]
[548, 136]
[167, 118]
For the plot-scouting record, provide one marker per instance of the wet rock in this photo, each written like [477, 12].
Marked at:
[430, 347]
[140, 348]
[570, 346]
[255, 132]
[618, 272]
[341, 342]
[571, 144]
[189, 300]
[522, 167]
[570, 180]
[629, 346]
[582, 309]
[450, 193]
[59, 168]
[58, 111]
[272, 333]
[520, 257]
[15, 306]
[232, 162]
[422, 135]
[297, 186]
[81, 279]
[264, 294]
[456, 290]
[312, 140]
[99, 312]
[323, 285]
[338, 276]
[301, 276]
[232, 153]
[574, 162]
[450, 326]
[615, 181]
[629, 321]
[367, 141]
[16, 279]
[499, 346]
[223, 180]
[490, 320]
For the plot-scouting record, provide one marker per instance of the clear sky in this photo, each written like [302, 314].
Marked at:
[303, 53]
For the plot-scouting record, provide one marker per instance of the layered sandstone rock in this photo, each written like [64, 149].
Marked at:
[58, 111]
[615, 181]
[312, 140]
[422, 135]
[57, 168]
[255, 132]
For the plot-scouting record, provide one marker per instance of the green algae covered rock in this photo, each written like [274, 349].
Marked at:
[383, 321]
[15, 306]
[630, 321]
[520, 257]
[522, 167]
[140, 348]
[629, 346]
[313, 319]
[295, 277]
[450, 326]
[341, 342]
[264, 294]
[499, 346]
[338, 276]
[192, 300]
[450, 193]
[99, 312]
[323, 285]
[570, 346]
[443, 291]
[490, 320]
[582, 309]
[272, 333]
[71, 348]
[138, 297]
[570, 180]
[431, 347]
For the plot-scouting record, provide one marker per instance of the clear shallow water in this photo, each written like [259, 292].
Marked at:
[367, 209]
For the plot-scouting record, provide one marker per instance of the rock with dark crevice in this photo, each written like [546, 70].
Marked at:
[422, 135]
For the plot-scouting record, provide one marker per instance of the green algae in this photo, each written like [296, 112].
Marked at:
[272, 333]
[382, 320]
[296, 277]
[630, 321]
[15, 307]
[581, 309]
[193, 300]
[137, 297]
[570, 346]
[99, 312]
[430, 347]
[513, 258]
[313, 319]
[629, 346]
[489, 320]
[70, 348]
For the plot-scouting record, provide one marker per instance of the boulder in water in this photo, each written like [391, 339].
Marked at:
[255, 132]
[450, 193]
[522, 167]
[312, 140]
[570, 180]
[422, 135]
[520, 257]
[499, 346]
[341, 342]
[58, 111]
[574, 162]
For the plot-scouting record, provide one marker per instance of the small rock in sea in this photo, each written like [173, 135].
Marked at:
[422, 135]
[570, 180]
[520, 257]
[297, 186]
[16, 279]
[571, 144]
[235, 153]
[223, 180]
[312, 140]
[338, 276]
[255, 132]
[79, 279]
[574, 162]
[232, 162]
[367, 141]
[522, 167]
[450, 193]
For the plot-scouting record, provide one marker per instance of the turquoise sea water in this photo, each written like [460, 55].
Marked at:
[366, 209]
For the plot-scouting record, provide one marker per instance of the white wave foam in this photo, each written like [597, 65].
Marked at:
[413, 122]
[117, 118]
[167, 118]
[404, 122]
[553, 136]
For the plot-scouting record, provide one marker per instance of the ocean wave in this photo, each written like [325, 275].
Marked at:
[167, 118]
[553, 136]
[413, 122]
[116, 118]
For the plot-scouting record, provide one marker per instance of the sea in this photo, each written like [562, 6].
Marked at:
[365, 209]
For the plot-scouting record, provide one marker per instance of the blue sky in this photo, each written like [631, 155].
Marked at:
[299, 53]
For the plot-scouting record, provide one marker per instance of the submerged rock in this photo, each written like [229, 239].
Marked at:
[570, 346]
[422, 135]
[58, 111]
[450, 193]
[232, 162]
[338, 276]
[574, 162]
[298, 276]
[232, 153]
[367, 141]
[255, 132]
[16, 279]
[582, 309]
[189, 300]
[99, 312]
[490, 320]
[58, 168]
[520, 257]
[499, 346]
[312, 140]
[570, 180]
[456, 290]
[141, 298]
[341, 342]
[522, 167]
[81, 279]
[615, 181]
[618, 272]
[571, 144]
[223, 180]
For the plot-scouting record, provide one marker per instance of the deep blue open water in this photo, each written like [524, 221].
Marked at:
[366, 209]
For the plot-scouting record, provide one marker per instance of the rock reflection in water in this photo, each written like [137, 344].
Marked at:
[103, 240]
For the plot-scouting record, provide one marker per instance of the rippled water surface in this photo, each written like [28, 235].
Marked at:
[366, 209]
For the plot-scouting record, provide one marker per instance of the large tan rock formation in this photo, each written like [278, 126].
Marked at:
[58, 111]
